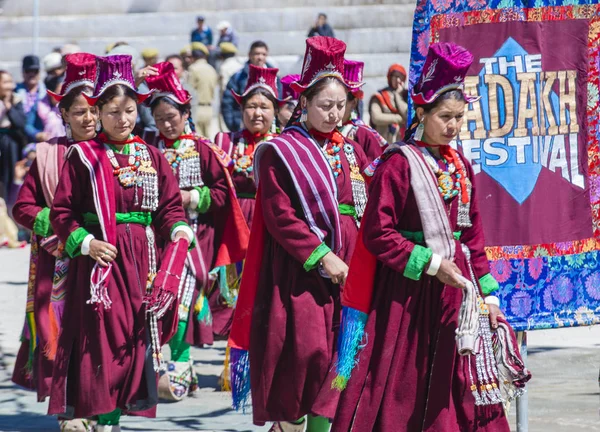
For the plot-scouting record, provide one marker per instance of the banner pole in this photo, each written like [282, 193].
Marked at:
[522, 401]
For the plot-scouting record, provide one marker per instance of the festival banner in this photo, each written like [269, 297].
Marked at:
[533, 140]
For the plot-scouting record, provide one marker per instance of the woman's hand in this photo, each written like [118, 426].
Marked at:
[42, 137]
[7, 99]
[181, 235]
[185, 198]
[21, 170]
[335, 268]
[104, 253]
[495, 312]
[449, 273]
[142, 74]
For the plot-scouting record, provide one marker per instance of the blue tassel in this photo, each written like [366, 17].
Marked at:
[240, 379]
[349, 343]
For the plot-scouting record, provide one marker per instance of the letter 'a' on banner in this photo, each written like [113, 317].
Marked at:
[533, 139]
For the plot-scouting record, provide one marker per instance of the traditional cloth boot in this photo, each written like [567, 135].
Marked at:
[179, 381]
[288, 427]
[75, 425]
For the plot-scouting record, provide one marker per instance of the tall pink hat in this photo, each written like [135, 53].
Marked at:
[112, 70]
[166, 84]
[324, 58]
[353, 75]
[81, 71]
[260, 77]
[288, 92]
[445, 69]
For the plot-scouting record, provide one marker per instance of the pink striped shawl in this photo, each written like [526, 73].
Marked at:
[93, 156]
[312, 178]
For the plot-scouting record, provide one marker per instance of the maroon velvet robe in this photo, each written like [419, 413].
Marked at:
[199, 333]
[409, 376]
[29, 203]
[369, 142]
[296, 313]
[103, 361]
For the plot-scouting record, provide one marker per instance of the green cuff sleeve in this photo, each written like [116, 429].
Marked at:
[313, 260]
[42, 226]
[205, 199]
[419, 258]
[73, 245]
[488, 284]
[182, 223]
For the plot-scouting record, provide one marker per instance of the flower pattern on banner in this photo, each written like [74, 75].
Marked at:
[543, 285]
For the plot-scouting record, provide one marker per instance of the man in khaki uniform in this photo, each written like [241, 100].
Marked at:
[203, 78]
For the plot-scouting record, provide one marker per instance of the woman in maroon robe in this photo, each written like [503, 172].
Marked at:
[353, 127]
[32, 210]
[259, 108]
[409, 375]
[311, 196]
[209, 200]
[118, 189]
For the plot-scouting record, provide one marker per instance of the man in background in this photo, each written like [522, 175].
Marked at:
[177, 61]
[203, 78]
[32, 91]
[321, 28]
[202, 33]
[150, 56]
[227, 34]
[230, 64]
[389, 106]
[232, 112]
[54, 65]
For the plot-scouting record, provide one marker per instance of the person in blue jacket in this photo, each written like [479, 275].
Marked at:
[230, 109]
[203, 33]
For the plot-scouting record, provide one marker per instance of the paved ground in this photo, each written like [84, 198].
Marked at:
[563, 396]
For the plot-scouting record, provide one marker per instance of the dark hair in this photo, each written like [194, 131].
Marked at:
[311, 92]
[174, 56]
[323, 15]
[258, 44]
[53, 81]
[68, 100]
[449, 95]
[114, 91]
[182, 108]
[261, 91]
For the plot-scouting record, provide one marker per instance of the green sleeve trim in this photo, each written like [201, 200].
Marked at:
[419, 258]
[488, 284]
[42, 226]
[182, 223]
[313, 260]
[205, 200]
[73, 245]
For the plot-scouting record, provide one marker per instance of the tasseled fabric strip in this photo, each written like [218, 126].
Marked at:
[226, 382]
[239, 378]
[352, 331]
[512, 373]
